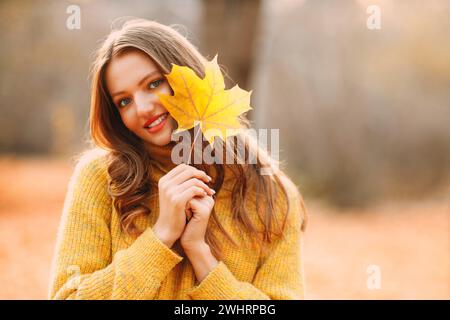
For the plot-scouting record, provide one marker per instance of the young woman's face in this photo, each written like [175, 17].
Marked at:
[133, 80]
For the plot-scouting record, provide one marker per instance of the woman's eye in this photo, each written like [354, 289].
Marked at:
[155, 84]
[124, 102]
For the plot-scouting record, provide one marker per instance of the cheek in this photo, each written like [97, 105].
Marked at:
[173, 123]
[165, 88]
[128, 119]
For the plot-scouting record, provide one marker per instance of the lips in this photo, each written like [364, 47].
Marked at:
[149, 122]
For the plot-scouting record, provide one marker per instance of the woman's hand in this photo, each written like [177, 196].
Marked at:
[176, 189]
[198, 211]
[193, 238]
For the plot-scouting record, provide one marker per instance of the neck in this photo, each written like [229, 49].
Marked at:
[162, 155]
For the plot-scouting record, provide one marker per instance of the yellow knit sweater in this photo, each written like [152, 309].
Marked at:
[95, 259]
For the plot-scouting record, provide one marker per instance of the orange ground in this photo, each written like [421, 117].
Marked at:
[409, 242]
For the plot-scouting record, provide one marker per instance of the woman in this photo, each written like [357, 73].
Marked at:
[137, 226]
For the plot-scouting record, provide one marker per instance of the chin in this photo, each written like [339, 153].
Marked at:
[160, 141]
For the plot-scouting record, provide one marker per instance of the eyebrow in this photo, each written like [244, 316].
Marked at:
[140, 82]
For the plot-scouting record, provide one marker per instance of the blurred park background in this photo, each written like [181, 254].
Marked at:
[364, 119]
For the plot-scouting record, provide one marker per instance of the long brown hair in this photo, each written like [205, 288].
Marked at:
[129, 161]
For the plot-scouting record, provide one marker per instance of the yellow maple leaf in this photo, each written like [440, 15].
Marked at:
[205, 102]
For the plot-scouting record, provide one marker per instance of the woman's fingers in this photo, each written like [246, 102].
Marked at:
[179, 168]
[201, 206]
[189, 193]
[195, 182]
[187, 173]
[188, 210]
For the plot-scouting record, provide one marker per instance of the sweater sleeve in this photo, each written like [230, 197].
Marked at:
[83, 267]
[280, 275]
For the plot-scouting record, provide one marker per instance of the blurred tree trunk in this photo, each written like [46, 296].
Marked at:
[229, 28]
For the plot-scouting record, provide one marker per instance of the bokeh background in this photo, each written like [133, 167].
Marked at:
[364, 119]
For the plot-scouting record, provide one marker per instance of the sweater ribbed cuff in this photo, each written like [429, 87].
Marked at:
[151, 257]
[219, 284]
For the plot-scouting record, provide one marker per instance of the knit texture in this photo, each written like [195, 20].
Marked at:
[95, 259]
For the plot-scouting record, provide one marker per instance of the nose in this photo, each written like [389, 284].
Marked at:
[145, 103]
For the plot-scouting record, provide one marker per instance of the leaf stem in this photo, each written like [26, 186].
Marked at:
[193, 144]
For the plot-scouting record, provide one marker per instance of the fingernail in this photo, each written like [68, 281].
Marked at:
[209, 178]
[212, 190]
